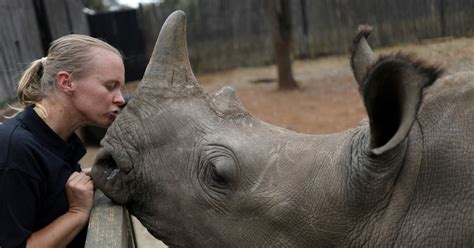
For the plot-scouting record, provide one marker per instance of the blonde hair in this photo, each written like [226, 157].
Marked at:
[71, 53]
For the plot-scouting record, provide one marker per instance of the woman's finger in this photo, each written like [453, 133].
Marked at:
[72, 177]
[83, 179]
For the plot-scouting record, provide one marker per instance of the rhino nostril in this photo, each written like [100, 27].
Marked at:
[110, 167]
[106, 162]
[113, 173]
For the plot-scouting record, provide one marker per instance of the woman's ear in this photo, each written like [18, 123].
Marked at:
[65, 84]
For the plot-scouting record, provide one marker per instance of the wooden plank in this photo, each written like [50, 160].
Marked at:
[78, 17]
[20, 43]
[109, 225]
[20, 38]
[66, 17]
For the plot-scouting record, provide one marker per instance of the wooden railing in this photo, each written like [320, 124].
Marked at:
[110, 225]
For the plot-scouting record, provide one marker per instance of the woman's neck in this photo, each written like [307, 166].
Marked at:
[59, 117]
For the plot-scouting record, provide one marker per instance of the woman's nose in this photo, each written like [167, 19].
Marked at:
[119, 99]
[127, 99]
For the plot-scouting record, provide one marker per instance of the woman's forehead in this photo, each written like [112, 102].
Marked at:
[107, 65]
[100, 53]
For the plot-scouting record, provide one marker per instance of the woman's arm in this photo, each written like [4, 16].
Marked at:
[80, 193]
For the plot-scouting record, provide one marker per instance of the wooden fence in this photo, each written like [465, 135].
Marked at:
[221, 34]
[26, 29]
[224, 34]
[20, 43]
[65, 17]
[110, 225]
[394, 21]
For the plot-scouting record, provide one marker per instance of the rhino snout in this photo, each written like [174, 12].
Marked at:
[110, 175]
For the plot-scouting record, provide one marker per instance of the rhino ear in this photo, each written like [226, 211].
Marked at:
[362, 56]
[392, 92]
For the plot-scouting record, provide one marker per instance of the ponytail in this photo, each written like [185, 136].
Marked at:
[29, 87]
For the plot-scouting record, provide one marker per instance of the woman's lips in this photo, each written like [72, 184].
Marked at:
[114, 114]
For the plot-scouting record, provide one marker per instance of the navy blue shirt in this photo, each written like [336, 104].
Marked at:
[35, 164]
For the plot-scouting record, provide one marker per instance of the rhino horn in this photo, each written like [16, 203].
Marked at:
[362, 55]
[169, 73]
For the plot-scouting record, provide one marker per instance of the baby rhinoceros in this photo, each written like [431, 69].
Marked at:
[198, 170]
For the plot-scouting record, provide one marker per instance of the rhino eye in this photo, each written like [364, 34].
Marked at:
[218, 169]
[221, 170]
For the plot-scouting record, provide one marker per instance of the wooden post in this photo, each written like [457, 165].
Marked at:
[109, 225]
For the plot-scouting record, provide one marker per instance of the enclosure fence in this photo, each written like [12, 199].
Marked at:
[224, 34]
[26, 29]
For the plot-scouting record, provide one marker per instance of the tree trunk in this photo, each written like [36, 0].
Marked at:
[279, 13]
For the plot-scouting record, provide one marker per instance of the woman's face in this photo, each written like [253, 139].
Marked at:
[98, 94]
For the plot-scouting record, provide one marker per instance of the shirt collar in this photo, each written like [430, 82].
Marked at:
[71, 150]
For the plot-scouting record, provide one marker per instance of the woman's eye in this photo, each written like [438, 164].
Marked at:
[110, 86]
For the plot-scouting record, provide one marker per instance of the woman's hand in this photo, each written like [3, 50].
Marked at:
[80, 193]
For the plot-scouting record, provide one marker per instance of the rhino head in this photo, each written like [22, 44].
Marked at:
[198, 170]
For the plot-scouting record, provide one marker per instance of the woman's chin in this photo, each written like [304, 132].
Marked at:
[102, 123]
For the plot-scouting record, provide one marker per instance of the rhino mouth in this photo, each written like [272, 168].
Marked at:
[110, 176]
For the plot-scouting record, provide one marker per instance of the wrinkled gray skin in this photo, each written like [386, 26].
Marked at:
[199, 171]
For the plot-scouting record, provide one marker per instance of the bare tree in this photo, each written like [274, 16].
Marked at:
[279, 14]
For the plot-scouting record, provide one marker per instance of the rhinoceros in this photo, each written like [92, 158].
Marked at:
[198, 170]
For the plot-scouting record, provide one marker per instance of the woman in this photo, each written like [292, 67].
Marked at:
[45, 198]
